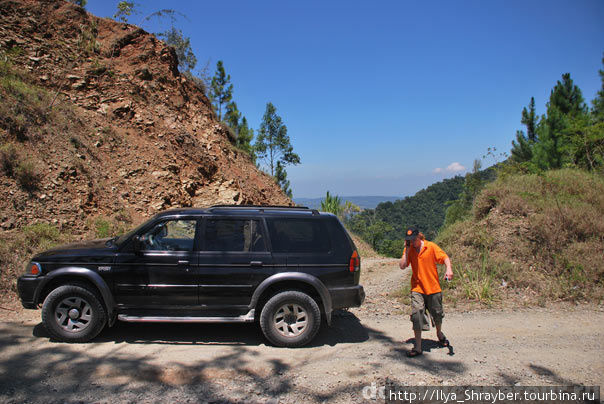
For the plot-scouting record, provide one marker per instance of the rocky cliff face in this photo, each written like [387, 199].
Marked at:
[110, 125]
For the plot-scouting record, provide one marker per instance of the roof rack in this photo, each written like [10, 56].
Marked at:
[262, 208]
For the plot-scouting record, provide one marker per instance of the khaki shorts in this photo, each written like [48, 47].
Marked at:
[433, 303]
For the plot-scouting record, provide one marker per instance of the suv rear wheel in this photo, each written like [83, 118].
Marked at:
[290, 319]
[73, 313]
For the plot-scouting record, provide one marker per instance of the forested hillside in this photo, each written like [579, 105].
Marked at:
[383, 227]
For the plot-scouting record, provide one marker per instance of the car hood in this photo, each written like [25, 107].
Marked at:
[90, 247]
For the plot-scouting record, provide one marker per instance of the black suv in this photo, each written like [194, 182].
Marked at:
[287, 268]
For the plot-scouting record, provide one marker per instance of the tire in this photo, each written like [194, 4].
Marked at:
[290, 319]
[73, 313]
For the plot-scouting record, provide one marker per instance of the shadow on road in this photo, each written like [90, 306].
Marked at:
[345, 328]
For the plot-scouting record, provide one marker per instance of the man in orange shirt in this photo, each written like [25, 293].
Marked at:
[423, 256]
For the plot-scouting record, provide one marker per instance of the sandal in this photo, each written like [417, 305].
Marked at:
[413, 353]
[444, 342]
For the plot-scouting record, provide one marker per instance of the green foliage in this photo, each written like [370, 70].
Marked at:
[243, 133]
[426, 210]
[272, 143]
[105, 227]
[221, 89]
[24, 107]
[27, 175]
[124, 10]
[182, 46]
[522, 148]
[332, 204]
[473, 184]
[598, 102]
[282, 181]
[565, 104]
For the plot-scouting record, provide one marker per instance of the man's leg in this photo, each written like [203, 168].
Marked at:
[418, 311]
[418, 340]
[435, 306]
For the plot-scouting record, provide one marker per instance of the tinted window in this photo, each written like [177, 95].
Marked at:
[172, 235]
[299, 235]
[234, 235]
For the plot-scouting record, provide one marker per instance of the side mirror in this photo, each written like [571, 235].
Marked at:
[137, 244]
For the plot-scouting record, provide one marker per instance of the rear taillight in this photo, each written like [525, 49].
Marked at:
[355, 262]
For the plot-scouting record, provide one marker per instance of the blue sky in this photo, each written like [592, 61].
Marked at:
[381, 97]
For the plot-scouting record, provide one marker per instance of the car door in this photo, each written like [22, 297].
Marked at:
[233, 260]
[169, 256]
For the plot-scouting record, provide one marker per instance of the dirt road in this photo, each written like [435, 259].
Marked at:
[231, 363]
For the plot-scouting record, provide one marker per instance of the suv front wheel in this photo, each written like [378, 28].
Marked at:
[73, 313]
[290, 319]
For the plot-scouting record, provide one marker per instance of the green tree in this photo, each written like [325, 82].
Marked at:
[272, 143]
[377, 232]
[565, 104]
[598, 102]
[182, 45]
[332, 204]
[238, 124]
[221, 89]
[522, 148]
[529, 119]
[282, 181]
[232, 116]
[245, 135]
[124, 10]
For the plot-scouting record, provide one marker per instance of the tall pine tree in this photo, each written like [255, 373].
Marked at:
[272, 143]
[274, 147]
[522, 148]
[238, 124]
[221, 89]
[565, 104]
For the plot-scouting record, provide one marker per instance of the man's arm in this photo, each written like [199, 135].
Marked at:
[405, 259]
[449, 271]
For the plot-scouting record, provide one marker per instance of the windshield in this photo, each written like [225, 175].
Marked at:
[121, 239]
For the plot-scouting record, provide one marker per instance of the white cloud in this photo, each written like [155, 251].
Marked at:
[438, 170]
[455, 167]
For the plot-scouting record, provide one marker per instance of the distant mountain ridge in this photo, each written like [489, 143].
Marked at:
[365, 202]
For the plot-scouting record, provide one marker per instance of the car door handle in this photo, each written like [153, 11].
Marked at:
[183, 262]
[256, 263]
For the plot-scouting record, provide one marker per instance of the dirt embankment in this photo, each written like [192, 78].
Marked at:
[99, 130]
[363, 348]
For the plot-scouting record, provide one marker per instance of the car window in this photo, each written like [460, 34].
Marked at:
[299, 236]
[171, 235]
[239, 235]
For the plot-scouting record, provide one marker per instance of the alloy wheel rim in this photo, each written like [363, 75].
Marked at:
[73, 314]
[290, 320]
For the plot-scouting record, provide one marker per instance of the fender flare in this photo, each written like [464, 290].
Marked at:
[87, 274]
[310, 280]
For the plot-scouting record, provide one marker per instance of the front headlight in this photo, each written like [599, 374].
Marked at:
[33, 268]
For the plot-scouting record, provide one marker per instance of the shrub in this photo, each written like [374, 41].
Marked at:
[8, 159]
[27, 175]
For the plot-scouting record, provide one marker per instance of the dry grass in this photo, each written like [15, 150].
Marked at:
[364, 249]
[533, 239]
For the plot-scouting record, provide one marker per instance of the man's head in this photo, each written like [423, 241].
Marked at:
[412, 237]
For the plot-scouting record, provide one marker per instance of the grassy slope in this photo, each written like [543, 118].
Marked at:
[532, 239]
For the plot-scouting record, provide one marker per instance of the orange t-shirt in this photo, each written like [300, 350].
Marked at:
[425, 275]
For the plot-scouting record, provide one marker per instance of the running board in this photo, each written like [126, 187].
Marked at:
[247, 318]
